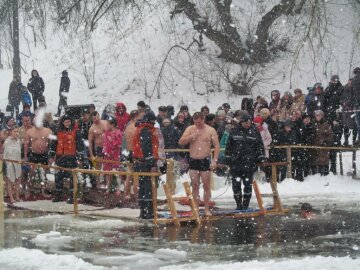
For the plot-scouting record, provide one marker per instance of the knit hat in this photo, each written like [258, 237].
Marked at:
[356, 71]
[149, 116]
[221, 113]
[245, 117]
[305, 115]
[334, 78]
[258, 119]
[184, 108]
[297, 90]
[66, 117]
[265, 113]
[226, 106]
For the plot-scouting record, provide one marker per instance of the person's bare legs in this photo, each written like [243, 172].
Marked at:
[17, 189]
[195, 183]
[9, 186]
[205, 178]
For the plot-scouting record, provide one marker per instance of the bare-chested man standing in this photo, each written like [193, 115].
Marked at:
[25, 170]
[201, 138]
[95, 139]
[36, 146]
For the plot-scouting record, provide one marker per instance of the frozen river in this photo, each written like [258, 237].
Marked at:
[102, 243]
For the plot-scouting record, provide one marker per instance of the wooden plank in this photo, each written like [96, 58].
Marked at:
[1, 187]
[171, 204]
[273, 183]
[259, 198]
[341, 164]
[288, 159]
[170, 175]
[354, 163]
[75, 191]
[154, 197]
[277, 201]
[194, 209]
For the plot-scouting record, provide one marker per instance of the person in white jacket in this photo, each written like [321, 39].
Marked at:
[264, 132]
[12, 151]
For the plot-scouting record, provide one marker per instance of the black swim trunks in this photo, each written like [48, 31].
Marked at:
[38, 158]
[98, 151]
[202, 165]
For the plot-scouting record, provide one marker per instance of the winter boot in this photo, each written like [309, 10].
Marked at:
[148, 210]
[238, 200]
[57, 196]
[246, 202]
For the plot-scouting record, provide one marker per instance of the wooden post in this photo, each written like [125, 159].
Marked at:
[259, 198]
[1, 187]
[273, 181]
[154, 197]
[170, 175]
[75, 191]
[288, 159]
[171, 204]
[354, 163]
[341, 164]
[194, 209]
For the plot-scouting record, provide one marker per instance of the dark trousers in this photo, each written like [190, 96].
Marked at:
[323, 170]
[242, 199]
[62, 104]
[35, 98]
[66, 162]
[16, 109]
[145, 191]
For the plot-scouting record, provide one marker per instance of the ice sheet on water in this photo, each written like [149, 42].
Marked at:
[104, 223]
[140, 260]
[47, 219]
[24, 259]
[52, 239]
[319, 262]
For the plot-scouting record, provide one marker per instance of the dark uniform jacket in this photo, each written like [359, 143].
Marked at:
[244, 149]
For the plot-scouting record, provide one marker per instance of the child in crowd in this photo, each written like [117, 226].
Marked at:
[12, 151]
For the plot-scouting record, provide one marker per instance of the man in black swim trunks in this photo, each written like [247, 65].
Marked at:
[201, 138]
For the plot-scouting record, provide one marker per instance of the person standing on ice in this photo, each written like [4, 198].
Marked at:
[36, 87]
[244, 149]
[63, 92]
[201, 138]
[12, 151]
[145, 154]
[67, 151]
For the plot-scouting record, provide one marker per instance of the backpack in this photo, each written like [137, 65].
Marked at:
[26, 98]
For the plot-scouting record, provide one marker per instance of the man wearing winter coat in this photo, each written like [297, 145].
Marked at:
[36, 87]
[63, 92]
[355, 85]
[145, 154]
[14, 96]
[243, 151]
[66, 151]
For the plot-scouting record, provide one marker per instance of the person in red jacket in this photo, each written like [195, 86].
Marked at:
[145, 154]
[122, 117]
[66, 151]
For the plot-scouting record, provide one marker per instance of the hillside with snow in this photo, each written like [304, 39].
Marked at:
[127, 60]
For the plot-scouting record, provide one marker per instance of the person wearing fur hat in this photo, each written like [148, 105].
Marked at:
[67, 151]
[285, 106]
[145, 154]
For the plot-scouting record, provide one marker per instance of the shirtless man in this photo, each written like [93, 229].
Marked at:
[36, 147]
[95, 138]
[129, 134]
[201, 138]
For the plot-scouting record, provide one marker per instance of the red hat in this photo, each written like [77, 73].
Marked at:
[258, 119]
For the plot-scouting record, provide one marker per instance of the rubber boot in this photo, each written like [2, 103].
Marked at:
[149, 210]
[238, 200]
[246, 202]
[57, 196]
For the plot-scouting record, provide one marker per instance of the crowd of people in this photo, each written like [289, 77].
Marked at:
[240, 138]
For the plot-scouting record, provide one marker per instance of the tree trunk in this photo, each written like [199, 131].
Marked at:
[15, 40]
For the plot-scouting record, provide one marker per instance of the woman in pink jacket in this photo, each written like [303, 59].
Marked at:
[112, 140]
[264, 132]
